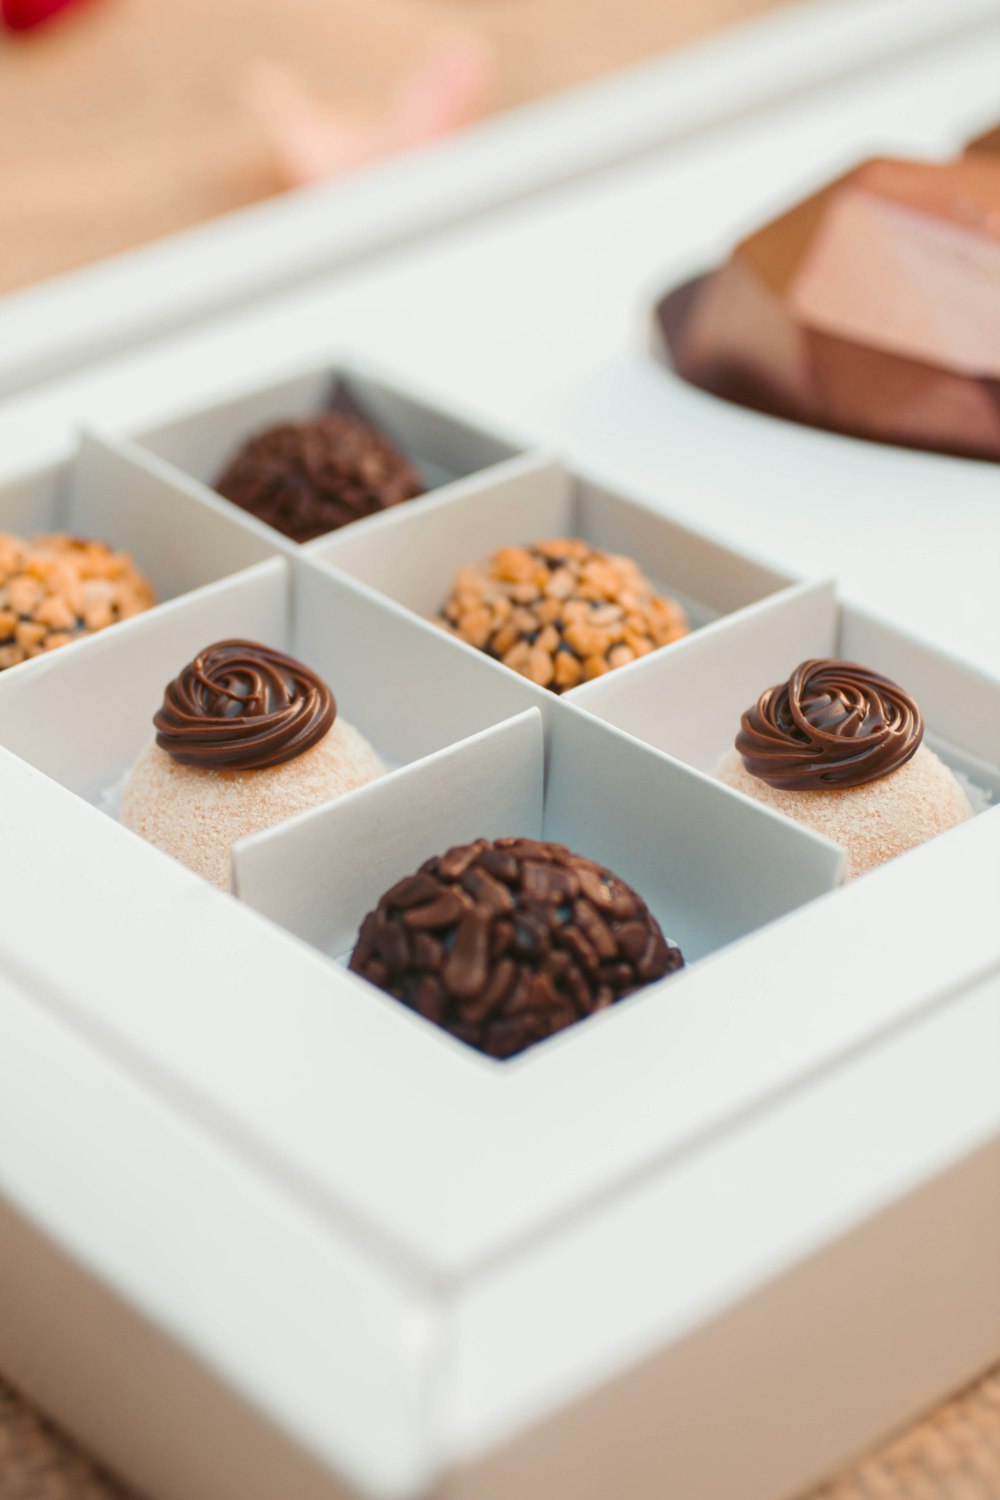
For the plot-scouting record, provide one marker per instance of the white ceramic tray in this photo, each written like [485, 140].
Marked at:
[325, 1249]
[132, 298]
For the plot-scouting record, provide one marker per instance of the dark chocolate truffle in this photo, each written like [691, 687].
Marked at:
[506, 943]
[308, 478]
[869, 309]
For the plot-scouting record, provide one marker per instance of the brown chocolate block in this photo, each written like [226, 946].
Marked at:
[873, 309]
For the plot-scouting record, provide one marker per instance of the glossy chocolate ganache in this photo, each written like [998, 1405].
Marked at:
[832, 724]
[240, 706]
[841, 749]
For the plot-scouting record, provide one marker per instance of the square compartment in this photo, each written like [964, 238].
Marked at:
[192, 449]
[177, 543]
[710, 868]
[689, 704]
[413, 556]
[382, 673]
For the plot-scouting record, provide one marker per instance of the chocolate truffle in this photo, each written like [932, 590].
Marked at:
[870, 309]
[506, 943]
[560, 612]
[246, 737]
[54, 589]
[838, 748]
[307, 478]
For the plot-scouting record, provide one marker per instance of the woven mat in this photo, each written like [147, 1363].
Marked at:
[953, 1455]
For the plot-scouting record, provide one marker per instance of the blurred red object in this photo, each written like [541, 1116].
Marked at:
[21, 15]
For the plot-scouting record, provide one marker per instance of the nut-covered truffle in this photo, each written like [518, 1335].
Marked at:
[505, 943]
[307, 478]
[56, 588]
[561, 612]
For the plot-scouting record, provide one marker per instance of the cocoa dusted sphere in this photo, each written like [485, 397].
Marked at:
[505, 943]
[311, 477]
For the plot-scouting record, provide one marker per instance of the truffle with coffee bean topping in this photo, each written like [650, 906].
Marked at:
[506, 943]
[561, 612]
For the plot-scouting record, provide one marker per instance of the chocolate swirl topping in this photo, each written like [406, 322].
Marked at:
[832, 724]
[241, 707]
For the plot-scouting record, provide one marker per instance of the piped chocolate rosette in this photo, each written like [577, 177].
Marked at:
[246, 737]
[839, 747]
[505, 943]
[832, 724]
[240, 706]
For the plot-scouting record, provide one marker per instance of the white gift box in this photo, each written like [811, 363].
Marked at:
[695, 1247]
[347, 1252]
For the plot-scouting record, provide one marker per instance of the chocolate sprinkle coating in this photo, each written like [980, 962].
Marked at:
[243, 707]
[308, 478]
[833, 724]
[506, 943]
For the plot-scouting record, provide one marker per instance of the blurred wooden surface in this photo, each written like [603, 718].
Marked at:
[128, 119]
[953, 1455]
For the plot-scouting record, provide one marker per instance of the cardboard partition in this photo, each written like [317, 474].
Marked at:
[410, 691]
[180, 541]
[711, 865]
[177, 541]
[410, 687]
[688, 703]
[320, 873]
[710, 872]
[83, 713]
[37, 501]
[445, 446]
[414, 556]
[961, 706]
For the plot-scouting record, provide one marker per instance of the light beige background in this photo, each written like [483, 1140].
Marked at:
[127, 119]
